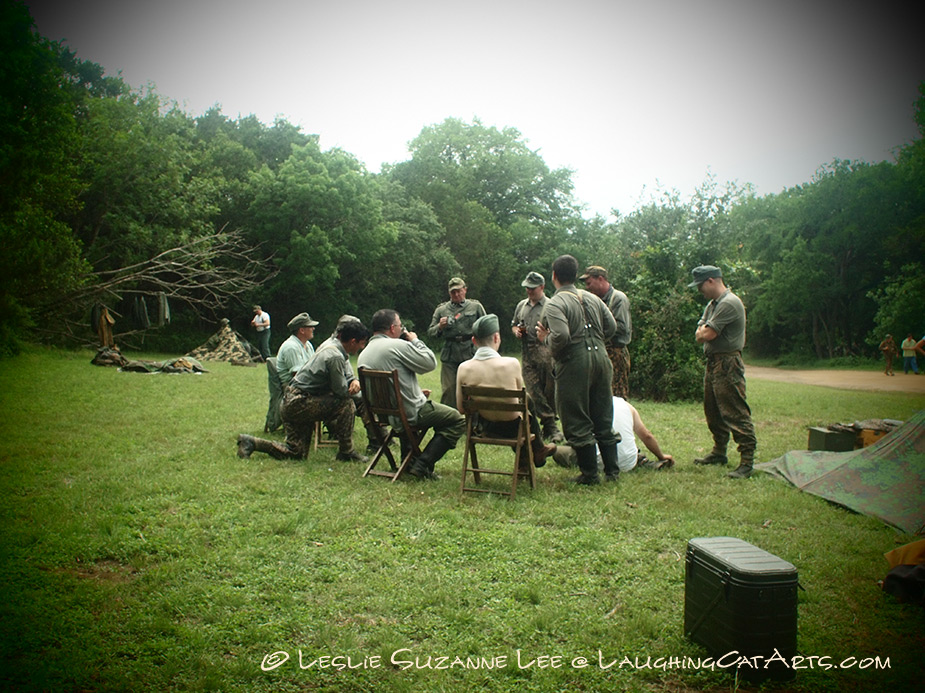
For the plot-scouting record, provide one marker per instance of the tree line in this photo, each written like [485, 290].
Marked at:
[112, 193]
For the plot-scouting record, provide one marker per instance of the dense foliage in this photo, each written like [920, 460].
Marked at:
[98, 178]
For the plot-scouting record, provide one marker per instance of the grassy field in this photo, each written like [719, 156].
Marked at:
[140, 553]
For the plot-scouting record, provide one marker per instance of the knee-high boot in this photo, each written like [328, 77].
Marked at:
[587, 463]
[609, 458]
[423, 466]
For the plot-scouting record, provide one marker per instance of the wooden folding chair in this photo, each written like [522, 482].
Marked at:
[382, 395]
[320, 441]
[475, 401]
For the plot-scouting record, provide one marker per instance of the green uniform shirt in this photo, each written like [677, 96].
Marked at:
[457, 334]
[619, 306]
[726, 315]
[527, 316]
[576, 318]
[324, 373]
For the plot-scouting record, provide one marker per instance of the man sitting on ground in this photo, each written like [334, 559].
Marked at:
[490, 369]
[394, 348]
[318, 392]
[627, 424]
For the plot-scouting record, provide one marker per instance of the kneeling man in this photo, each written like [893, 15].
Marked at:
[488, 368]
[319, 391]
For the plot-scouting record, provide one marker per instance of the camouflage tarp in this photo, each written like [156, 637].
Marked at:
[885, 480]
[226, 345]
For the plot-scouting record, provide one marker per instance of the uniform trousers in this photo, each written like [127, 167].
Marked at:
[725, 406]
[583, 396]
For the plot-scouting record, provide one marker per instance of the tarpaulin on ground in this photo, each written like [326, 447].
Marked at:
[226, 345]
[884, 480]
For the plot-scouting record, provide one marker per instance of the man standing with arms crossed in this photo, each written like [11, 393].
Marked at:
[596, 281]
[536, 359]
[721, 330]
[452, 321]
[576, 326]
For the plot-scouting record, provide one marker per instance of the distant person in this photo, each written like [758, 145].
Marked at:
[394, 348]
[909, 360]
[627, 424]
[596, 281]
[576, 326]
[452, 322]
[261, 322]
[297, 349]
[890, 351]
[318, 392]
[488, 368]
[721, 330]
[535, 356]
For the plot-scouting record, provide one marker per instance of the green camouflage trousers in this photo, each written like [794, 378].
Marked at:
[724, 404]
[300, 410]
[620, 358]
[539, 382]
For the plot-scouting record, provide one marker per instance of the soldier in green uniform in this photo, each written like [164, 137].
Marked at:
[318, 392]
[576, 326]
[596, 281]
[453, 321]
[536, 361]
[721, 330]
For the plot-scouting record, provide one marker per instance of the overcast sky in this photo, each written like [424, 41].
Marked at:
[630, 95]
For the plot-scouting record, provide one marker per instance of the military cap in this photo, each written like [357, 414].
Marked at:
[486, 326]
[456, 283]
[594, 271]
[533, 280]
[704, 272]
[301, 320]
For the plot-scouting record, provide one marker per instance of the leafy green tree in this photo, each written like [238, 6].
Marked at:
[319, 220]
[38, 136]
[899, 304]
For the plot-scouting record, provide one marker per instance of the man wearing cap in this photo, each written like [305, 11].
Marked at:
[318, 392]
[596, 281]
[576, 326]
[721, 330]
[392, 347]
[535, 356]
[453, 321]
[490, 369]
[261, 322]
[296, 350]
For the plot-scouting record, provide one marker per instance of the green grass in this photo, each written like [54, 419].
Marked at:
[139, 553]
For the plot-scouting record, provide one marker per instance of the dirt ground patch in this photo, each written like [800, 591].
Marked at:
[844, 380]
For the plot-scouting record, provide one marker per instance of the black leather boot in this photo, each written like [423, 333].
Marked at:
[609, 457]
[587, 463]
[423, 466]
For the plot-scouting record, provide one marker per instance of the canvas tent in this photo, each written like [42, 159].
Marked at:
[885, 480]
[226, 345]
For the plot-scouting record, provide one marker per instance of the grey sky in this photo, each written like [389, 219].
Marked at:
[630, 95]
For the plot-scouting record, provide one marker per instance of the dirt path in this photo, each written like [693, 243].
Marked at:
[845, 380]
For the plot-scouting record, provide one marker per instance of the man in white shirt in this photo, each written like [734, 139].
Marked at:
[628, 424]
[261, 322]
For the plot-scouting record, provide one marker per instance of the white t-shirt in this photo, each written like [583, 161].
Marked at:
[262, 321]
[627, 450]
